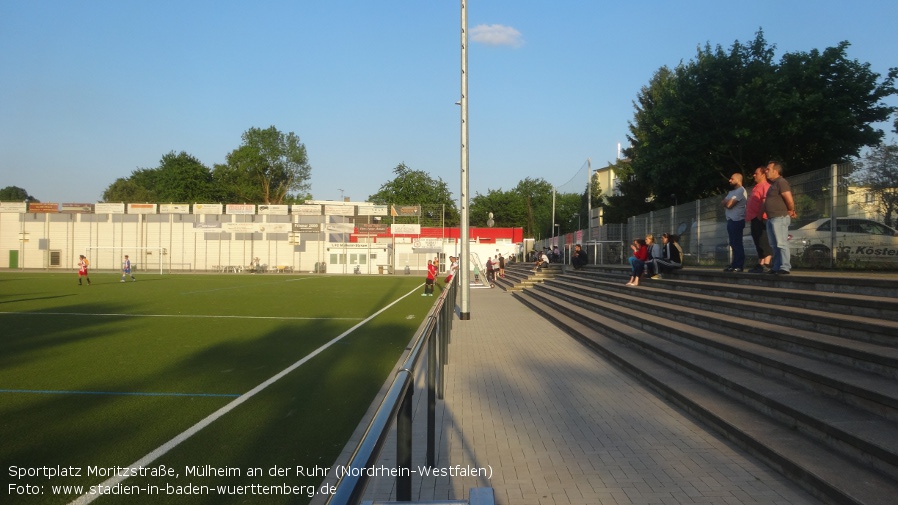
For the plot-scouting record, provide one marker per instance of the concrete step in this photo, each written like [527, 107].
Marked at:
[781, 423]
[876, 393]
[760, 320]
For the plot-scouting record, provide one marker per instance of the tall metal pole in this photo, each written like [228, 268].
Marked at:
[465, 260]
[588, 200]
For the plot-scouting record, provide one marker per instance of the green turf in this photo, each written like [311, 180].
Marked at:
[184, 346]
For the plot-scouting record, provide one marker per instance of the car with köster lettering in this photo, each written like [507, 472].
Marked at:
[856, 239]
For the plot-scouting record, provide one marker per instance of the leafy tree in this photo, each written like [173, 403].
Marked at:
[266, 168]
[178, 178]
[570, 212]
[183, 178]
[234, 180]
[630, 185]
[537, 197]
[15, 194]
[508, 208]
[416, 187]
[877, 172]
[732, 110]
[127, 190]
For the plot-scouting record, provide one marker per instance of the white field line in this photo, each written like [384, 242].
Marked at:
[187, 316]
[193, 430]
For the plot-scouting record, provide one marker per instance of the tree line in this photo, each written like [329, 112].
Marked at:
[269, 167]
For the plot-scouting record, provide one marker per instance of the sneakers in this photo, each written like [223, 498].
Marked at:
[657, 276]
[732, 269]
[123, 280]
[737, 269]
[757, 270]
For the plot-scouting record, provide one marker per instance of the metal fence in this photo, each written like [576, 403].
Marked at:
[397, 406]
[840, 224]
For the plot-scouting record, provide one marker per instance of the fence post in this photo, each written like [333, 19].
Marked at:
[432, 343]
[404, 443]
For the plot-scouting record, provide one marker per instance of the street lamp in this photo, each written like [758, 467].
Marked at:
[577, 215]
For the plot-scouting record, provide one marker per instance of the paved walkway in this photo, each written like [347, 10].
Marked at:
[557, 424]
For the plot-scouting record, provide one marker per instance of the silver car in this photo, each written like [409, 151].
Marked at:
[859, 240]
[856, 240]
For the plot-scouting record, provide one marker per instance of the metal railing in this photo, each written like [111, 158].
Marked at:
[397, 404]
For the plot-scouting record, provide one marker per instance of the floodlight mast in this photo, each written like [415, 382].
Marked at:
[465, 259]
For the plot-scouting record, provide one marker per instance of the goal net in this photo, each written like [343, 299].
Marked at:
[146, 259]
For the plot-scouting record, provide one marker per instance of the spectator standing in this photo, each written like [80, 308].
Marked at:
[501, 266]
[453, 268]
[757, 220]
[735, 203]
[780, 208]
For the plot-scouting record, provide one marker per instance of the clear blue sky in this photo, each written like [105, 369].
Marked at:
[92, 90]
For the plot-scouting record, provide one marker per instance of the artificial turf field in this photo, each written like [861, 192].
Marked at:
[101, 376]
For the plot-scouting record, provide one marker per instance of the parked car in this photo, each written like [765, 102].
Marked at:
[856, 239]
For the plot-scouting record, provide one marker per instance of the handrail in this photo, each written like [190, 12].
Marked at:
[396, 404]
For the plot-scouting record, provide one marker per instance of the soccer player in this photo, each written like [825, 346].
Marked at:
[82, 269]
[126, 269]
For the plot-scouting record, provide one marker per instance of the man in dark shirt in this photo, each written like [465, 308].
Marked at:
[579, 258]
[780, 209]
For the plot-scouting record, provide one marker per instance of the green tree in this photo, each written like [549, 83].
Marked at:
[731, 110]
[183, 178]
[266, 168]
[15, 194]
[570, 212]
[178, 178]
[127, 190]
[536, 195]
[416, 187]
[507, 207]
[877, 172]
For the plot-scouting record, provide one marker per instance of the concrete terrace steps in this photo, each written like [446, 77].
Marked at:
[724, 336]
[819, 402]
[520, 276]
[742, 286]
[812, 332]
[826, 473]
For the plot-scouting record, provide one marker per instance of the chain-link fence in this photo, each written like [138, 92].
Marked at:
[841, 223]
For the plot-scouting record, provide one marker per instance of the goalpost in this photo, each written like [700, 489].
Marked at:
[110, 257]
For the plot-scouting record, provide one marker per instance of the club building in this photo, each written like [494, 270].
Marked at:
[316, 237]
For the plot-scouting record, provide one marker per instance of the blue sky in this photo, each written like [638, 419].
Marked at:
[92, 90]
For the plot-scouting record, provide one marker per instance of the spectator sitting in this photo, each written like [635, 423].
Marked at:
[579, 258]
[654, 253]
[542, 261]
[637, 261]
[671, 256]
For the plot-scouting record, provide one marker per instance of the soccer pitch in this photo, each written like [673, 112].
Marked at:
[218, 387]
